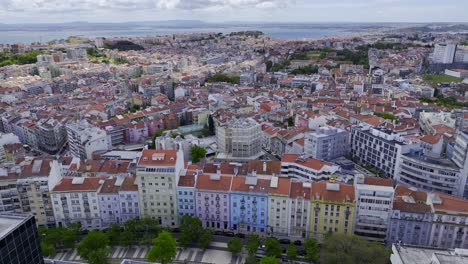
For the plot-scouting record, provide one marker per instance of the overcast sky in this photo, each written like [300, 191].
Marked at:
[40, 11]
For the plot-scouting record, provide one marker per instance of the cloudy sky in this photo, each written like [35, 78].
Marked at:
[41, 11]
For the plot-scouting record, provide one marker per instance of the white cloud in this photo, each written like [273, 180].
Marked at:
[90, 5]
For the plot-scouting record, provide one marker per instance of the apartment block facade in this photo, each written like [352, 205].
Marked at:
[332, 208]
[376, 147]
[213, 201]
[326, 143]
[374, 197]
[157, 177]
[249, 204]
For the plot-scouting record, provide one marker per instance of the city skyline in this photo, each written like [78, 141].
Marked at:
[292, 11]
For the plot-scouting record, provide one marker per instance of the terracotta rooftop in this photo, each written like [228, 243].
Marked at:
[210, 182]
[152, 157]
[451, 203]
[412, 201]
[378, 181]
[320, 191]
[37, 167]
[283, 186]
[309, 162]
[300, 190]
[271, 167]
[129, 185]
[430, 139]
[239, 184]
[109, 186]
[188, 180]
[79, 184]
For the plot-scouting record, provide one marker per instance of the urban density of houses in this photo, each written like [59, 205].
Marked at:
[248, 133]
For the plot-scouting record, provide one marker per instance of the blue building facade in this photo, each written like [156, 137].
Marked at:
[249, 204]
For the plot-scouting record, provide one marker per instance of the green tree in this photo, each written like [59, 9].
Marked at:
[341, 248]
[269, 260]
[127, 238]
[235, 245]
[291, 121]
[114, 233]
[292, 252]
[205, 238]
[190, 230]
[312, 249]
[197, 153]
[268, 64]
[99, 256]
[94, 247]
[164, 249]
[221, 77]
[47, 249]
[253, 242]
[211, 125]
[273, 247]
[251, 259]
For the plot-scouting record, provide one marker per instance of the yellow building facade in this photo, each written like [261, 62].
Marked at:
[332, 209]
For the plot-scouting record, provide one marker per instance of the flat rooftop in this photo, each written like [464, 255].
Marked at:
[423, 255]
[430, 160]
[9, 222]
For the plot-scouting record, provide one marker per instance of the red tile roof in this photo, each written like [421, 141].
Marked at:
[239, 185]
[309, 162]
[418, 206]
[298, 190]
[152, 157]
[378, 181]
[206, 182]
[345, 193]
[451, 203]
[87, 184]
[283, 188]
[129, 184]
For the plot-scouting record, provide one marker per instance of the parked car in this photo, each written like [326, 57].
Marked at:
[240, 235]
[285, 241]
[229, 233]
[218, 233]
[297, 242]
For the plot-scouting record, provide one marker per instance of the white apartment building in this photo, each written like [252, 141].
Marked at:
[75, 200]
[37, 178]
[5, 139]
[377, 147]
[430, 174]
[460, 158]
[279, 206]
[306, 169]
[326, 143]
[444, 53]
[157, 178]
[84, 139]
[239, 139]
[429, 119]
[374, 198]
[299, 206]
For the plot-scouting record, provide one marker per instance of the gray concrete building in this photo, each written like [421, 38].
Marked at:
[326, 143]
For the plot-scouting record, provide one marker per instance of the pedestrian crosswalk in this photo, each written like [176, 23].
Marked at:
[217, 253]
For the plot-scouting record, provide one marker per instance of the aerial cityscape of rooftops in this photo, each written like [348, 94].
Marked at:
[284, 139]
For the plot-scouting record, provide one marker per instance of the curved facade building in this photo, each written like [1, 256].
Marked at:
[429, 174]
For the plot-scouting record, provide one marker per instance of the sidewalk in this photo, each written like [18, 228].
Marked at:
[217, 253]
